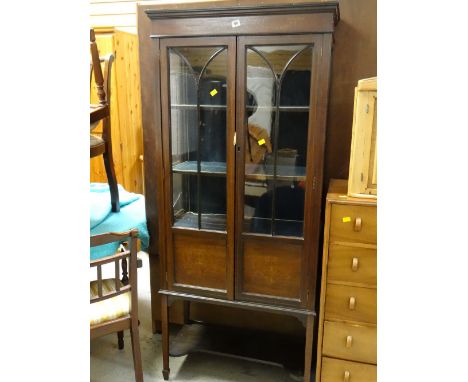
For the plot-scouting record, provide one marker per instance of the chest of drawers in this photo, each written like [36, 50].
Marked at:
[347, 334]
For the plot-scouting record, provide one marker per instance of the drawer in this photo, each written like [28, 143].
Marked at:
[350, 342]
[344, 302]
[337, 370]
[352, 264]
[351, 223]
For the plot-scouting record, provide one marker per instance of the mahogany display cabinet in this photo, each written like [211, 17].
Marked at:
[234, 101]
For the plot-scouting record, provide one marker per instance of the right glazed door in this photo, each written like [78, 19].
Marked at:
[278, 90]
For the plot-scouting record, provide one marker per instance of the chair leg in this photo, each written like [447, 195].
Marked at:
[165, 337]
[136, 351]
[120, 339]
[111, 179]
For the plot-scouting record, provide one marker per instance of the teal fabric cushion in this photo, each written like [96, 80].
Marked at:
[132, 214]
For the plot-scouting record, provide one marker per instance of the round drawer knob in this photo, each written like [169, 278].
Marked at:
[358, 225]
[352, 303]
[347, 376]
[349, 341]
[355, 265]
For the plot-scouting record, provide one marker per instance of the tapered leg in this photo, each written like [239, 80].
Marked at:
[111, 179]
[165, 336]
[186, 312]
[155, 286]
[308, 349]
[120, 339]
[136, 351]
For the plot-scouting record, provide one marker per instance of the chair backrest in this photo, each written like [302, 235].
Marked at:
[129, 252]
[102, 77]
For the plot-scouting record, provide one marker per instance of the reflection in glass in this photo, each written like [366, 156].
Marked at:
[198, 136]
[277, 111]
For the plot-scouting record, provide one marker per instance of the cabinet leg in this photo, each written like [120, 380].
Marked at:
[120, 340]
[156, 326]
[165, 336]
[308, 349]
[186, 312]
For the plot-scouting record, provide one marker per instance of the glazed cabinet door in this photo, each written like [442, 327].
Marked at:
[197, 100]
[278, 89]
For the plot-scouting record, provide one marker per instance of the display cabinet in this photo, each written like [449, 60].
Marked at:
[234, 115]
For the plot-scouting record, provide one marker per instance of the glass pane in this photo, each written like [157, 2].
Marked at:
[198, 133]
[277, 109]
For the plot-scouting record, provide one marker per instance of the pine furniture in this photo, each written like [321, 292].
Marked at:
[347, 334]
[234, 101]
[363, 162]
[125, 109]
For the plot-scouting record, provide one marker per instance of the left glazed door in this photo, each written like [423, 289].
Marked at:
[198, 126]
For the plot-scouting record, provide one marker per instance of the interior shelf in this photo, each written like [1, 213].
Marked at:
[208, 168]
[194, 107]
[215, 222]
[265, 172]
[223, 107]
[253, 172]
[283, 227]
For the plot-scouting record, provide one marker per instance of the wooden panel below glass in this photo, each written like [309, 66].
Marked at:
[200, 260]
[270, 269]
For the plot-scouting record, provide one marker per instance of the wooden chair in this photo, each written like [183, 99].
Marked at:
[101, 112]
[114, 305]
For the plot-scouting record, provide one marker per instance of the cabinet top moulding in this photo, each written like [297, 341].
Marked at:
[240, 18]
[245, 8]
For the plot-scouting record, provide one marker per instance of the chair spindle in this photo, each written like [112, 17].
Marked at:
[99, 280]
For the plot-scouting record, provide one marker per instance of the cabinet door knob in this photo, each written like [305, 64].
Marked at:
[358, 225]
[349, 341]
[355, 265]
[352, 303]
[347, 376]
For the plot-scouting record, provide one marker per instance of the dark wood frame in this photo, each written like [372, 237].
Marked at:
[157, 23]
[313, 176]
[228, 42]
[129, 321]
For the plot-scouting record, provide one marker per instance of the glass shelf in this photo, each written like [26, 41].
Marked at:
[265, 172]
[194, 107]
[208, 168]
[283, 227]
[215, 222]
[223, 107]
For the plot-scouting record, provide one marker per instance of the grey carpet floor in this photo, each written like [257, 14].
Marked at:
[109, 364]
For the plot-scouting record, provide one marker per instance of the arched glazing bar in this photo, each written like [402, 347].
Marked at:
[276, 134]
[213, 56]
[186, 62]
[197, 78]
[262, 56]
[278, 80]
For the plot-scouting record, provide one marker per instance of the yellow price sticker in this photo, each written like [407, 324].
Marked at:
[213, 92]
[346, 219]
[261, 142]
